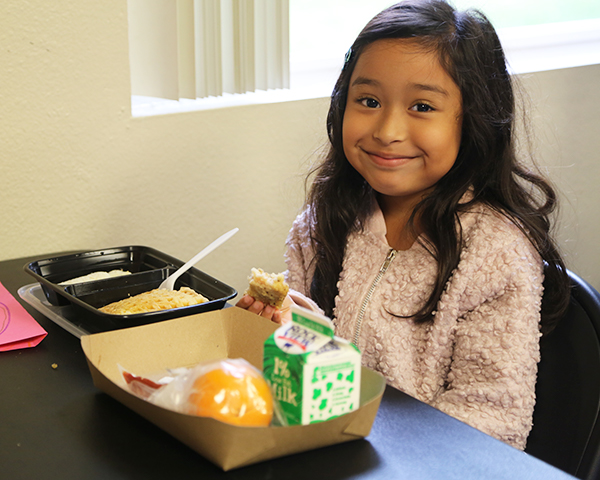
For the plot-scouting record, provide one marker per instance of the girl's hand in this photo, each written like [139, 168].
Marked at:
[274, 314]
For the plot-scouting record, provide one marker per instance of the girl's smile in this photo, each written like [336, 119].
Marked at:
[389, 160]
[402, 123]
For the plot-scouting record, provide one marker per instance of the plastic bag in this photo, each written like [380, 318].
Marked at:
[229, 390]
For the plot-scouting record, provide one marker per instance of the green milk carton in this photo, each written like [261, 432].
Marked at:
[314, 375]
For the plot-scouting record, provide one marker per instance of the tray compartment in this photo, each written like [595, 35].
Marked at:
[50, 272]
[148, 268]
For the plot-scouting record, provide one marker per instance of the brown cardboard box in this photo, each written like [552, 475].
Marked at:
[187, 341]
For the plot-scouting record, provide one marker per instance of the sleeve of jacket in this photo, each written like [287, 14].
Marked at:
[493, 369]
[299, 255]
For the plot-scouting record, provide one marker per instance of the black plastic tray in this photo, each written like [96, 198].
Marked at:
[148, 268]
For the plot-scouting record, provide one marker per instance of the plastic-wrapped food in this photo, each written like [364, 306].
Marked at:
[229, 390]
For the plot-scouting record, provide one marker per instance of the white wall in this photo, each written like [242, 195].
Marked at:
[78, 172]
[566, 126]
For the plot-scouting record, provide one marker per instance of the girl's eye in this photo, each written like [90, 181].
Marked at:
[422, 108]
[369, 102]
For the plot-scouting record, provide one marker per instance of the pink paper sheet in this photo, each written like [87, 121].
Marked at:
[18, 329]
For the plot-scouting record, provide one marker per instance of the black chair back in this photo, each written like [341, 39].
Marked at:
[566, 427]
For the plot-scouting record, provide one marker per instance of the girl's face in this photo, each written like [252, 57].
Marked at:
[402, 123]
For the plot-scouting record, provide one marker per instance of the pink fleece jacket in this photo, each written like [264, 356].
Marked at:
[477, 360]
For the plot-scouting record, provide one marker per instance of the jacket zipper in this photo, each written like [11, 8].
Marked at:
[363, 307]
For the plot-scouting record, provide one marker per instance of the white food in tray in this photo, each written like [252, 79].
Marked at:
[95, 276]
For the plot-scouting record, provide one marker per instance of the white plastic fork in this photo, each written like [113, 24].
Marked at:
[169, 282]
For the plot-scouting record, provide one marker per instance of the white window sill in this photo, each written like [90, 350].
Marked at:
[528, 49]
[148, 106]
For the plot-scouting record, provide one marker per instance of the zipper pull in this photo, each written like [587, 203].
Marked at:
[388, 260]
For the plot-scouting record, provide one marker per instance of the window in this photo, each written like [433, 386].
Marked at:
[333, 25]
[188, 49]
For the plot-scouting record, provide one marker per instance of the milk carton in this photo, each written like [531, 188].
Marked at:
[314, 375]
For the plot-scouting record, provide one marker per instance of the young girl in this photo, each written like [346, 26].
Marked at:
[423, 237]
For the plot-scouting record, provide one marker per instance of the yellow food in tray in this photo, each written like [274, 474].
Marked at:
[155, 300]
[269, 288]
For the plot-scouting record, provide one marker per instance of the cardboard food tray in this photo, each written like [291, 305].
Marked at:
[229, 333]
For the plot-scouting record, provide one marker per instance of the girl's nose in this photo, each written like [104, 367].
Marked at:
[391, 127]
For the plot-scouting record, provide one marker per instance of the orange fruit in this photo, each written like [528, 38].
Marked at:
[232, 391]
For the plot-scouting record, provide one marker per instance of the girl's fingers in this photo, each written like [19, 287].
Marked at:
[248, 303]
[276, 317]
[245, 301]
[267, 311]
[256, 307]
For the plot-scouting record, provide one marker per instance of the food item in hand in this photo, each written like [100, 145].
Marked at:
[154, 300]
[234, 392]
[270, 289]
[96, 276]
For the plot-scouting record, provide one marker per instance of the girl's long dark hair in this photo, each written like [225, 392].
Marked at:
[340, 199]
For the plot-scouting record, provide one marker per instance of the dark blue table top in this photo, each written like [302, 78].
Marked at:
[55, 424]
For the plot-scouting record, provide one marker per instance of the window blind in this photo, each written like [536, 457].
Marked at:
[200, 48]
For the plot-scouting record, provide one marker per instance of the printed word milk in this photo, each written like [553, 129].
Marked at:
[314, 375]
